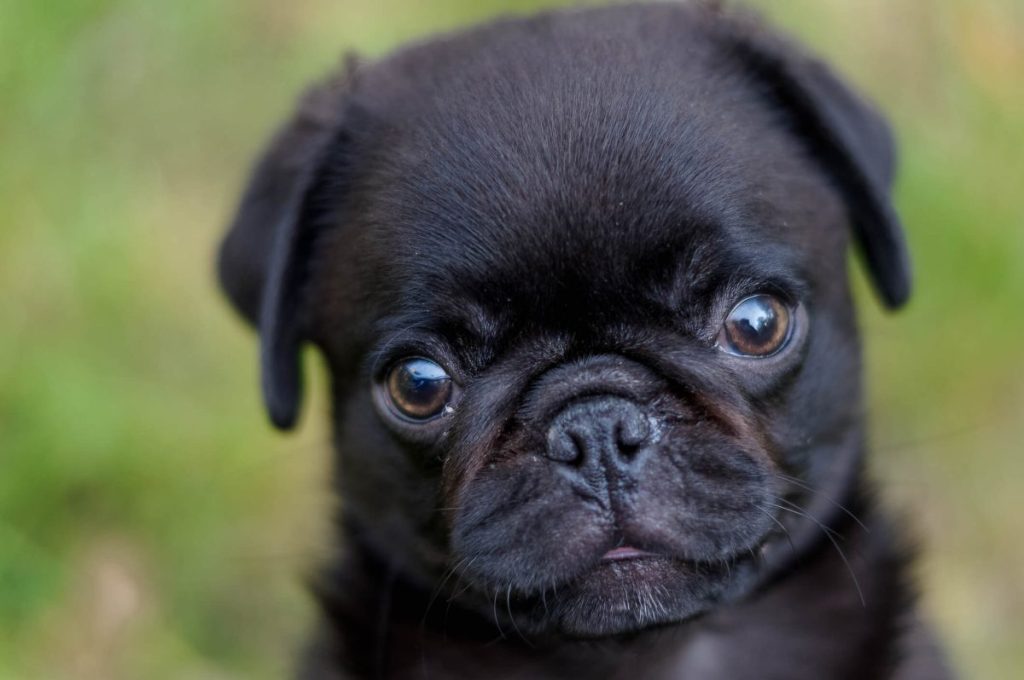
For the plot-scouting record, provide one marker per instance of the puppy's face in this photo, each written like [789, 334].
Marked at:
[588, 325]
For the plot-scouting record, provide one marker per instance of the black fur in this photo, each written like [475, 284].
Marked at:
[561, 211]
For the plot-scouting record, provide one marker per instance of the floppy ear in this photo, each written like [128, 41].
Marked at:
[846, 135]
[263, 258]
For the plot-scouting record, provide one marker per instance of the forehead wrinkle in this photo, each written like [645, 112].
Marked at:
[495, 177]
[475, 175]
[575, 237]
[450, 325]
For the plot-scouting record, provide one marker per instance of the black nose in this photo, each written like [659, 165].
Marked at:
[605, 426]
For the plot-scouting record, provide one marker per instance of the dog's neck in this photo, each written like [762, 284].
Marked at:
[834, 612]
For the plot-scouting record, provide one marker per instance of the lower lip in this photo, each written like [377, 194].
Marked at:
[624, 553]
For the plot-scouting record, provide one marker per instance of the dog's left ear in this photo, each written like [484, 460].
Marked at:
[263, 259]
[845, 134]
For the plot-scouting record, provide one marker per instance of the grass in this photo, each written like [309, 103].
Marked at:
[152, 525]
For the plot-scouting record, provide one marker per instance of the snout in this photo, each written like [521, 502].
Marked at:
[604, 453]
[611, 484]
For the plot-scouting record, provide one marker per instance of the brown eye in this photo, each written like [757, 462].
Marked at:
[418, 388]
[756, 327]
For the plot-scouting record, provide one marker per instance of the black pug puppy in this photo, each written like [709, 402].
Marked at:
[580, 281]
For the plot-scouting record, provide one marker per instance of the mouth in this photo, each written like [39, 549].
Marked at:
[626, 552]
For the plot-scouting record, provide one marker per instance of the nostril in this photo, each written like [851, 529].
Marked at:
[565, 446]
[632, 431]
[579, 445]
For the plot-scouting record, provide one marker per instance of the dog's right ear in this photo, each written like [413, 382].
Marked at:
[262, 261]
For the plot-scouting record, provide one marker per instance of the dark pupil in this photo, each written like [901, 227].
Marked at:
[755, 322]
[419, 387]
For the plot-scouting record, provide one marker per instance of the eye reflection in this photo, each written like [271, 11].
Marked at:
[756, 327]
[418, 388]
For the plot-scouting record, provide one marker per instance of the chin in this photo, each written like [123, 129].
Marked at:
[623, 597]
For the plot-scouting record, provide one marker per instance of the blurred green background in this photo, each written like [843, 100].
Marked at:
[151, 523]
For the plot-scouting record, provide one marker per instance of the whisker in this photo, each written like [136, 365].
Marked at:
[835, 544]
[798, 510]
[782, 526]
[456, 591]
[494, 610]
[807, 487]
[437, 591]
[508, 606]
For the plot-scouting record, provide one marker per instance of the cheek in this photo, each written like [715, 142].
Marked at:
[389, 489]
[823, 399]
[702, 497]
[695, 496]
[523, 522]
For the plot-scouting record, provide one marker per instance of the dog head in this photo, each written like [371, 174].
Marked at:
[580, 282]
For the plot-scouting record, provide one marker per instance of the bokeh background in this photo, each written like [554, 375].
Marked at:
[153, 526]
